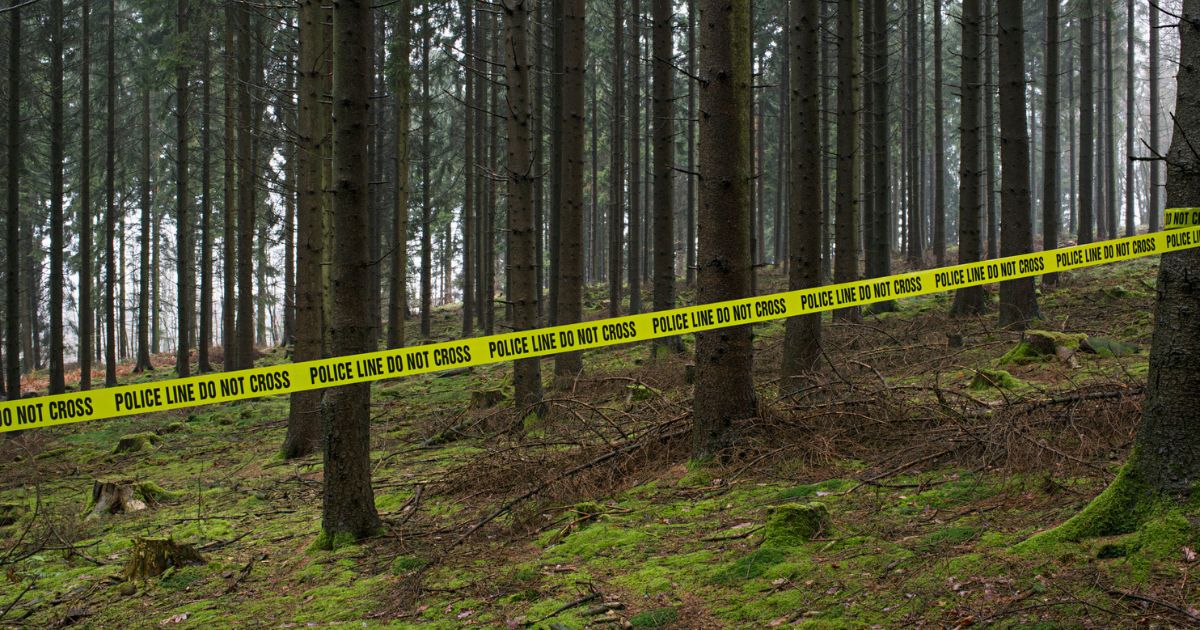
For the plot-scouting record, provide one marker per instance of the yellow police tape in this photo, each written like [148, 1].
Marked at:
[1184, 233]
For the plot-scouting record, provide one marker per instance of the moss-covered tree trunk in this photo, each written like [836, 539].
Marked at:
[1163, 471]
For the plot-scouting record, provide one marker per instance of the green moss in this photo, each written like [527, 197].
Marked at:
[136, 442]
[751, 566]
[601, 539]
[648, 580]
[657, 618]
[823, 488]
[1123, 506]
[947, 537]
[998, 379]
[151, 492]
[406, 564]
[794, 524]
[327, 542]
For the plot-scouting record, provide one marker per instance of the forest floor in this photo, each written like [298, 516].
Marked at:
[936, 446]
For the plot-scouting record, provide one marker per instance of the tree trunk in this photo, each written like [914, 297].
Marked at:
[349, 501]
[691, 145]
[556, 156]
[1110, 150]
[1051, 214]
[724, 388]
[86, 330]
[246, 199]
[143, 324]
[468, 210]
[1155, 132]
[110, 200]
[989, 129]
[970, 300]
[204, 343]
[939, 143]
[426, 181]
[229, 210]
[849, 160]
[916, 229]
[304, 422]
[398, 294]
[57, 383]
[1087, 125]
[570, 237]
[664, 162]
[881, 234]
[616, 171]
[1130, 107]
[527, 373]
[183, 296]
[12, 293]
[802, 337]
[1018, 302]
[539, 184]
[1164, 465]
[635, 160]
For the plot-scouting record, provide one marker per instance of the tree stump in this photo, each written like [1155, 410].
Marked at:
[116, 496]
[486, 399]
[136, 442]
[150, 557]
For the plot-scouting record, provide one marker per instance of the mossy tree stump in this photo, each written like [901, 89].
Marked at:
[150, 557]
[794, 524]
[116, 496]
[136, 442]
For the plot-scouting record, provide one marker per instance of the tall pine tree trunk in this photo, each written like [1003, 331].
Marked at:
[110, 202]
[570, 237]
[12, 240]
[86, 329]
[143, 323]
[939, 143]
[349, 501]
[1155, 132]
[1051, 213]
[426, 180]
[204, 343]
[724, 390]
[664, 161]
[398, 293]
[881, 247]
[183, 296]
[849, 158]
[1130, 107]
[246, 210]
[1018, 302]
[1087, 125]
[229, 211]
[635, 161]
[970, 300]
[616, 171]
[57, 377]
[527, 374]
[691, 145]
[802, 337]
[304, 421]
[468, 210]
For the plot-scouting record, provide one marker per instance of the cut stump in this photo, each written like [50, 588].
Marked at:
[150, 557]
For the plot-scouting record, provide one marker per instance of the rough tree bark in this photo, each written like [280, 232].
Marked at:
[527, 373]
[664, 163]
[349, 501]
[183, 251]
[398, 291]
[724, 389]
[616, 171]
[426, 179]
[634, 239]
[57, 378]
[570, 228]
[143, 323]
[970, 301]
[1087, 125]
[1051, 213]
[1018, 301]
[12, 292]
[204, 343]
[802, 337]
[849, 159]
[110, 201]
[229, 211]
[244, 337]
[1155, 132]
[469, 210]
[939, 143]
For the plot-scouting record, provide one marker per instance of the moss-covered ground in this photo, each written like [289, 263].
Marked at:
[931, 477]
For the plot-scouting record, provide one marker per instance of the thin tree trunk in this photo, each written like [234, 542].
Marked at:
[12, 294]
[246, 198]
[724, 390]
[1087, 125]
[1051, 214]
[469, 210]
[849, 160]
[990, 189]
[916, 231]
[426, 180]
[970, 300]
[1155, 132]
[1110, 137]
[939, 143]
[57, 383]
[882, 246]
[204, 343]
[635, 161]
[183, 296]
[616, 171]
[143, 325]
[691, 145]
[86, 329]
[398, 294]
[664, 162]
[229, 209]
[556, 155]
[1130, 107]
[110, 194]
[1071, 140]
